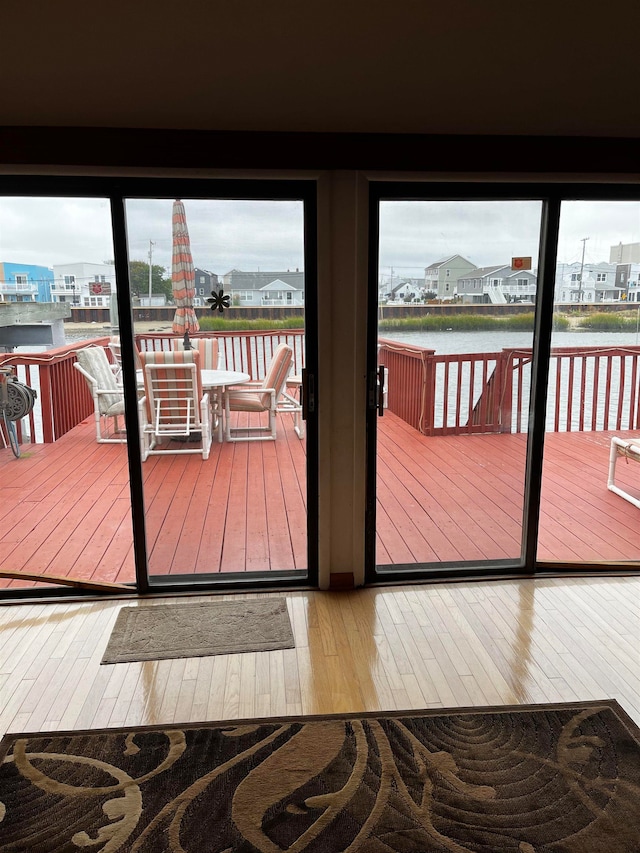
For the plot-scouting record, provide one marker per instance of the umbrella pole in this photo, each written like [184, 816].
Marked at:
[186, 342]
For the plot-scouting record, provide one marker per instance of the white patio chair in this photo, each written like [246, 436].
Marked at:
[107, 394]
[116, 365]
[630, 449]
[176, 414]
[210, 353]
[259, 398]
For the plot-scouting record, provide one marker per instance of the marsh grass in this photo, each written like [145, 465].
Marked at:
[428, 322]
[221, 324]
[606, 322]
[466, 323]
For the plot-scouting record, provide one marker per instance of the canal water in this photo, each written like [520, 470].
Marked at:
[584, 411]
[445, 343]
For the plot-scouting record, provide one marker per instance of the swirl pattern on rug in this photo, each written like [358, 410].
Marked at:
[562, 778]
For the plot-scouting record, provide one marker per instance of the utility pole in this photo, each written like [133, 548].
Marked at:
[584, 244]
[151, 245]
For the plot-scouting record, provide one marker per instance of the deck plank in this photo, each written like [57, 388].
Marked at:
[65, 506]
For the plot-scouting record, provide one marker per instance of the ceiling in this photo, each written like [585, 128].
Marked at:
[411, 66]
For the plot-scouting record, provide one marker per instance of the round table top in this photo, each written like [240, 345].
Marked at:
[214, 378]
[220, 378]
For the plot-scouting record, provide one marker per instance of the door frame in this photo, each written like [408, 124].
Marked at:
[551, 194]
[116, 190]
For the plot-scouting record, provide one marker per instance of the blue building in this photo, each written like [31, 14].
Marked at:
[25, 282]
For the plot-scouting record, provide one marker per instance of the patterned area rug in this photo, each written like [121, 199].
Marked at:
[561, 778]
[161, 631]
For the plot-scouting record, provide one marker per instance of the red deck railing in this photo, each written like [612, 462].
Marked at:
[63, 400]
[590, 388]
[248, 352]
[63, 396]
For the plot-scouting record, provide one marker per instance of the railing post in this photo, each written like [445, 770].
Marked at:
[427, 405]
[46, 404]
[504, 406]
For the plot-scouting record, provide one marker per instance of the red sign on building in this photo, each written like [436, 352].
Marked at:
[520, 263]
[97, 288]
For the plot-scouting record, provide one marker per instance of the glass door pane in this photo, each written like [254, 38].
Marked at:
[456, 302]
[593, 393]
[224, 444]
[66, 507]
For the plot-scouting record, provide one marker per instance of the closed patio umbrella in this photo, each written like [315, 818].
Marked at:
[182, 275]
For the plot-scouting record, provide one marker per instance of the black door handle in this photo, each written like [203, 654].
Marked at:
[381, 391]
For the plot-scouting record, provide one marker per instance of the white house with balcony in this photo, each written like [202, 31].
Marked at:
[498, 284]
[277, 289]
[588, 284]
[83, 284]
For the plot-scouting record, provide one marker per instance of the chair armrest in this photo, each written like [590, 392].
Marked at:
[258, 389]
[253, 385]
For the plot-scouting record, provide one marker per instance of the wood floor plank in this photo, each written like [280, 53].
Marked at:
[439, 645]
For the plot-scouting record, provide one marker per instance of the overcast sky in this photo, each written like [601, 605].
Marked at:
[267, 235]
[248, 235]
[414, 234]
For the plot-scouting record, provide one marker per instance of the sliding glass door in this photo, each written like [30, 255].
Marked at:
[224, 448]
[65, 502]
[594, 389]
[500, 334]
[168, 331]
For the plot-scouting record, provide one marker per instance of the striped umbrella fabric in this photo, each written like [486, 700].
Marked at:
[183, 276]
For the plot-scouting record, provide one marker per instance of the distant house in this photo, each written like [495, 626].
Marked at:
[588, 283]
[25, 282]
[520, 285]
[442, 276]
[407, 290]
[627, 279]
[84, 284]
[498, 284]
[205, 282]
[264, 288]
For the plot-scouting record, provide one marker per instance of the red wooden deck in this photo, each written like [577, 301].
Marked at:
[65, 506]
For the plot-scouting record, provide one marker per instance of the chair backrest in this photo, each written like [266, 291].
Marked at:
[278, 370]
[170, 380]
[94, 360]
[207, 347]
[114, 346]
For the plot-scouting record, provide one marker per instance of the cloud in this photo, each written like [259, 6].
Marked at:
[224, 234]
[48, 231]
[249, 235]
[414, 234]
[268, 234]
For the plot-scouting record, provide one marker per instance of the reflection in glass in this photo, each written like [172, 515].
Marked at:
[593, 394]
[238, 506]
[457, 292]
[66, 508]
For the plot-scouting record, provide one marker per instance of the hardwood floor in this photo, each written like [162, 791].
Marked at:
[404, 647]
